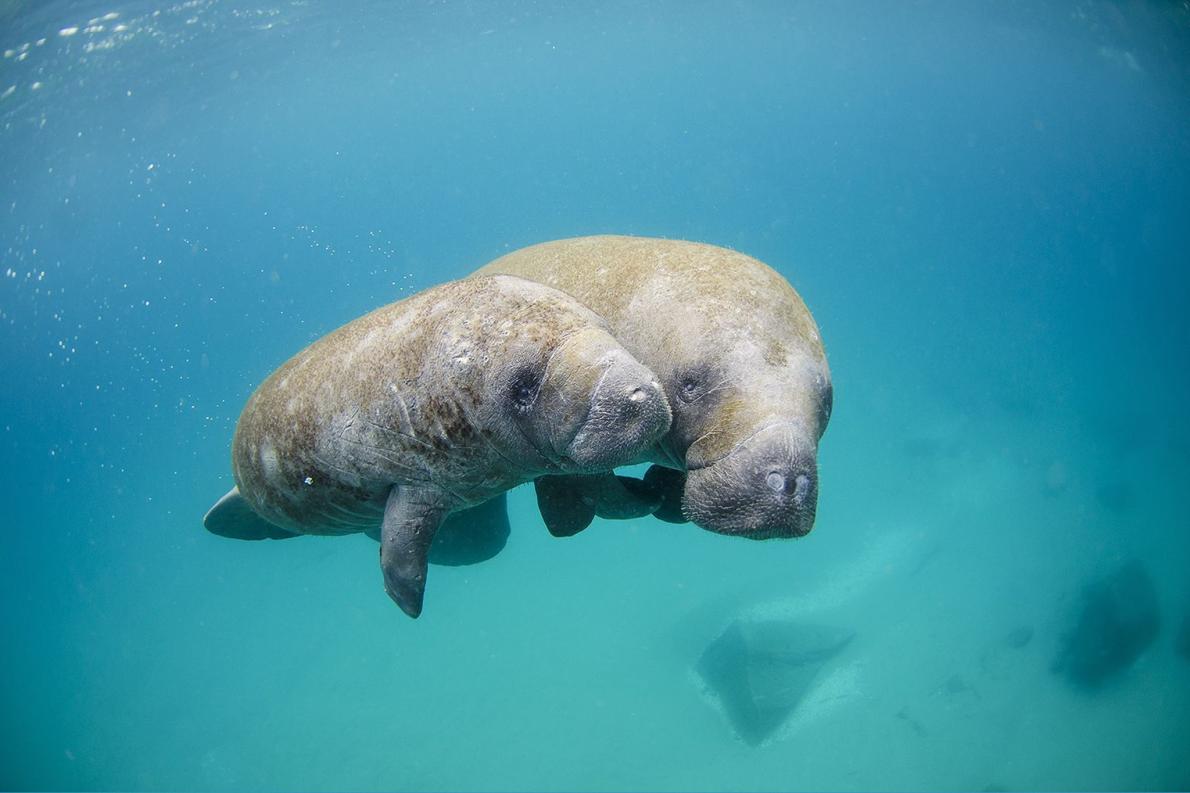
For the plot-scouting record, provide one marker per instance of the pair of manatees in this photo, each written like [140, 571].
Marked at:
[555, 363]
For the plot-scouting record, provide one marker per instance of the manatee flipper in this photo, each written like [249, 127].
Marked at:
[562, 507]
[568, 504]
[468, 536]
[624, 498]
[412, 516]
[233, 517]
[668, 484]
[472, 535]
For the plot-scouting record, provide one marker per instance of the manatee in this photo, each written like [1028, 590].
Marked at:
[431, 405]
[742, 364]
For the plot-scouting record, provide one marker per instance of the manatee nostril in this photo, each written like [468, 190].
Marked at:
[775, 481]
[801, 488]
[638, 395]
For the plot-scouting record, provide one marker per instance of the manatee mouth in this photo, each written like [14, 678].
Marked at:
[628, 413]
[766, 487]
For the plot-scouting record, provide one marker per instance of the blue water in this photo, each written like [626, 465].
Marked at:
[986, 206]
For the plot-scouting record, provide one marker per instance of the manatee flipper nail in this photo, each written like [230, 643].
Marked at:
[233, 517]
[669, 484]
[411, 518]
[564, 507]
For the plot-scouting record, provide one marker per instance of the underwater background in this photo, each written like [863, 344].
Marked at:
[985, 205]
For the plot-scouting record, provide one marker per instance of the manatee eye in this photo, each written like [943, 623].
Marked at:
[524, 389]
[692, 382]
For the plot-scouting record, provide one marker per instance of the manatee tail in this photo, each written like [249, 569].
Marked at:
[232, 517]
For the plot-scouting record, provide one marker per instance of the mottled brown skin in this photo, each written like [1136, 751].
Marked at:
[434, 404]
[738, 354]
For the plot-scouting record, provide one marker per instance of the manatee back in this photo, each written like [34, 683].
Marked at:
[724, 292]
[302, 455]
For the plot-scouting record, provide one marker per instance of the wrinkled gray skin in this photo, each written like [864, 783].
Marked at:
[432, 405]
[741, 362]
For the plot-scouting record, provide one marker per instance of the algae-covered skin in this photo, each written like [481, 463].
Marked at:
[431, 405]
[739, 356]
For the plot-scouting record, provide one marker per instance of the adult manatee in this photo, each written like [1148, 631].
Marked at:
[430, 405]
[741, 361]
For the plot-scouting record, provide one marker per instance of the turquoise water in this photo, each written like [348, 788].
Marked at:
[987, 208]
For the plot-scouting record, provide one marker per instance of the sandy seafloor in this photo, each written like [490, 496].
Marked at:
[984, 206]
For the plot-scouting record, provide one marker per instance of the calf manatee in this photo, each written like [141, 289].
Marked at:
[742, 364]
[434, 404]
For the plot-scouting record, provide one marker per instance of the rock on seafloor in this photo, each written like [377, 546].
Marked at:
[759, 670]
[1115, 621]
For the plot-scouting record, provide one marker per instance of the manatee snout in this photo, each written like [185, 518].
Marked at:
[767, 487]
[628, 413]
